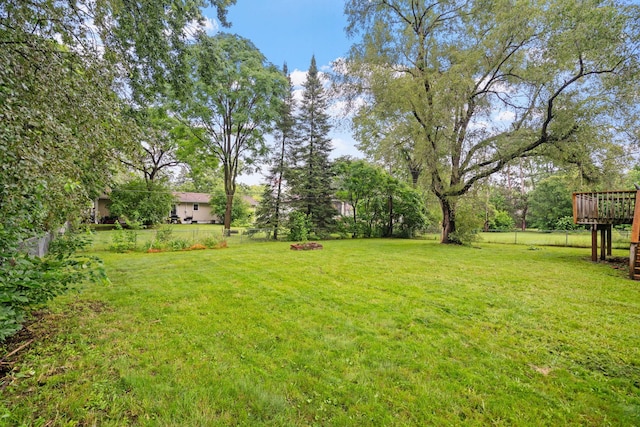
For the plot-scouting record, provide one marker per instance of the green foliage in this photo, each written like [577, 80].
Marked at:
[299, 225]
[27, 282]
[549, 202]
[123, 240]
[147, 202]
[459, 90]
[62, 120]
[163, 142]
[309, 172]
[237, 94]
[211, 242]
[240, 213]
[178, 244]
[381, 205]
[468, 223]
[566, 223]
[270, 211]
[502, 221]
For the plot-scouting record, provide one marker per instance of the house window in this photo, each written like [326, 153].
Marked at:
[195, 206]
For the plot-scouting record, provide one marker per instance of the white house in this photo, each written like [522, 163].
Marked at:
[192, 208]
[189, 208]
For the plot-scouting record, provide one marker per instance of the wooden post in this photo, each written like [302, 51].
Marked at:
[635, 235]
[632, 260]
[603, 242]
[594, 243]
[609, 239]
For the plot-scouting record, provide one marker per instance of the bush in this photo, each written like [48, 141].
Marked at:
[565, 223]
[502, 221]
[138, 200]
[467, 224]
[299, 224]
[123, 240]
[26, 281]
[164, 234]
[210, 242]
[178, 244]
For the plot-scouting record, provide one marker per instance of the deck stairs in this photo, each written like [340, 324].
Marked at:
[634, 267]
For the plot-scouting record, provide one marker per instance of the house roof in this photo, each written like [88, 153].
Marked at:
[250, 201]
[193, 197]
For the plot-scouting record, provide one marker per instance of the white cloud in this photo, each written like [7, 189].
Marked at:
[209, 26]
[298, 77]
[506, 116]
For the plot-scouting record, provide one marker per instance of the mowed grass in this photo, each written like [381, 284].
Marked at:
[363, 332]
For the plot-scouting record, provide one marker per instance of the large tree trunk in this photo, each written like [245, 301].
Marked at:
[230, 190]
[227, 212]
[448, 220]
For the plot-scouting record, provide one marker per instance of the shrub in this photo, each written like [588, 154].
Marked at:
[299, 224]
[123, 240]
[502, 221]
[565, 223]
[210, 242]
[27, 281]
[178, 244]
[467, 224]
[164, 234]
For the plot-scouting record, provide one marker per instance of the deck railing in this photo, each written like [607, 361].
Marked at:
[607, 207]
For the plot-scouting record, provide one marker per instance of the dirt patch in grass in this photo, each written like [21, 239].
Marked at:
[41, 325]
[308, 246]
[618, 263]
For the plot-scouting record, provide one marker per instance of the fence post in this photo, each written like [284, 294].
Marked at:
[515, 240]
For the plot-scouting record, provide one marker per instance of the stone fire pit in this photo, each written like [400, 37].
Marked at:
[308, 246]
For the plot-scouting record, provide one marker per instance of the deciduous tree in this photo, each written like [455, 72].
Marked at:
[487, 83]
[236, 97]
[270, 210]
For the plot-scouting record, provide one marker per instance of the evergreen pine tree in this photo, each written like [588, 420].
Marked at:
[269, 211]
[310, 178]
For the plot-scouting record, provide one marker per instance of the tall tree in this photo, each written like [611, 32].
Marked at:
[237, 96]
[269, 211]
[310, 174]
[487, 83]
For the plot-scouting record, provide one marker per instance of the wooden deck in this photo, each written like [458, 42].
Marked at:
[609, 207]
[604, 209]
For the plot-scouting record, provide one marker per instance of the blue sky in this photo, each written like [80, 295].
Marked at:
[292, 31]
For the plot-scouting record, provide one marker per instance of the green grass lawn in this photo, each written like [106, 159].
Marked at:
[363, 332]
[578, 238]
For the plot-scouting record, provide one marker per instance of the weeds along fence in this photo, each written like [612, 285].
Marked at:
[175, 237]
